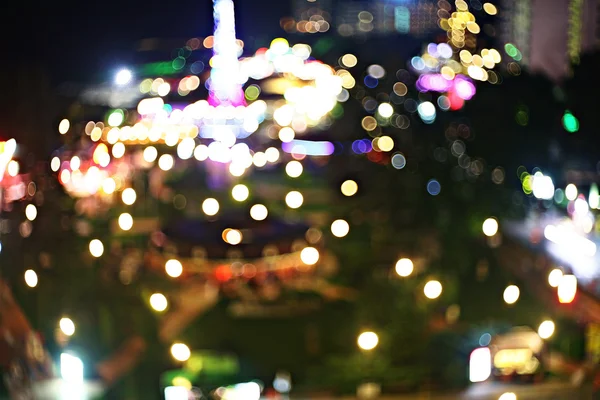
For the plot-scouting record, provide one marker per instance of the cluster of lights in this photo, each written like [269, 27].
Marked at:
[405, 268]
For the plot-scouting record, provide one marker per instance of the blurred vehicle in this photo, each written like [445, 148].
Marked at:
[520, 354]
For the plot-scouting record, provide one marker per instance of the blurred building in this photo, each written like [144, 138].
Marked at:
[550, 35]
[365, 17]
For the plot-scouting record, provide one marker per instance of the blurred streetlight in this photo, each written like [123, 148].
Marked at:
[31, 278]
[309, 255]
[432, 289]
[340, 228]
[554, 277]
[125, 221]
[210, 207]
[67, 326]
[180, 352]
[508, 396]
[71, 368]
[123, 77]
[159, 302]
[368, 340]
[490, 227]
[349, 188]
[31, 212]
[174, 268]
[511, 294]
[404, 267]
[546, 329]
[96, 248]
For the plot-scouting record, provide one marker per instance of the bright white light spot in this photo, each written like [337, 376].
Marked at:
[158, 302]
[385, 110]
[64, 126]
[554, 277]
[294, 169]
[259, 212]
[570, 240]
[67, 326]
[186, 148]
[177, 393]
[150, 154]
[286, 134]
[31, 212]
[511, 294]
[71, 368]
[13, 168]
[123, 77]
[480, 365]
[272, 154]
[368, 340]
[340, 228]
[55, 164]
[210, 206]
[349, 188]
[260, 159]
[96, 248]
[240, 192]
[543, 187]
[180, 352]
[166, 162]
[125, 221]
[118, 151]
[233, 237]
[294, 199]
[571, 192]
[490, 227]
[129, 196]
[115, 118]
[426, 111]
[201, 152]
[546, 329]
[432, 289]
[508, 396]
[173, 268]
[404, 267]
[31, 278]
[567, 289]
[581, 206]
[309, 255]
[385, 143]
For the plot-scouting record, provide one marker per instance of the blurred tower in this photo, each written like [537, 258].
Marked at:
[551, 34]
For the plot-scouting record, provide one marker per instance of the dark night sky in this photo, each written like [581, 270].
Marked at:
[74, 39]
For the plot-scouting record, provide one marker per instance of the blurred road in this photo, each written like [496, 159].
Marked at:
[492, 391]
